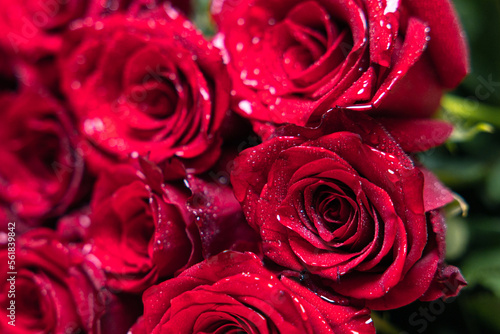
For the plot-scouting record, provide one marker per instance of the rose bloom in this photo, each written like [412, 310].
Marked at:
[142, 229]
[291, 59]
[146, 84]
[140, 232]
[40, 171]
[31, 31]
[57, 290]
[233, 293]
[345, 203]
[34, 27]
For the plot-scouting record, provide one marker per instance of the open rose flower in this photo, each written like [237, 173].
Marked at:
[345, 203]
[140, 232]
[290, 59]
[142, 229]
[40, 171]
[107, 7]
[57, 290]
[34, 27]
[233, 293]
[146, 84]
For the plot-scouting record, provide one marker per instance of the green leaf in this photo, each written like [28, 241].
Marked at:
[493, 183]
[202, 17]
[457, 238]
[459, 110]
[456, 172]
[382, 323]
[483, 267]
[485, 307]
[467, 132]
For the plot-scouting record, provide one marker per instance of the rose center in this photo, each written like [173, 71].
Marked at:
[314, 39]
[334, 208]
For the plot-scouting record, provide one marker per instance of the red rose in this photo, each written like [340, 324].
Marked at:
[138, 232]
[219, 217]
[33, 27]
[233, 293]
[147, 84]
[40, 171]
[142, 229]
[291, 59]
[106, 7]
[56, 289]
[345, 203]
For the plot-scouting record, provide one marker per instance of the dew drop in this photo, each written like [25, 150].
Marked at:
[246, 106]
[93, 125]
[80, 60]
[205, 94]
[76, 84]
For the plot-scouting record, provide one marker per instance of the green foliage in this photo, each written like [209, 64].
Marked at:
[483, 267]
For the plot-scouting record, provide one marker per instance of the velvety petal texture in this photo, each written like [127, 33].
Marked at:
[233, 293]
[345, 203]
[140, 230]
[292, 60]
[34, 29]
[57, 290]
[41, 172]
[146, 83]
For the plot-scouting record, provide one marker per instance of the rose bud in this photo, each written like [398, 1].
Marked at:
[233, 293]
[345, 203]
[56, 289]
[290, 59]
[146, 84]
[40, 171]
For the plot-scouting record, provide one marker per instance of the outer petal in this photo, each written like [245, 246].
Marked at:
[448, 46]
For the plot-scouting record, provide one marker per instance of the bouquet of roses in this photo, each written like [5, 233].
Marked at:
[262, 180]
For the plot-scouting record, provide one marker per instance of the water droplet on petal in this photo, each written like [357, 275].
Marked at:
[205, 94]
[76, 84]
[246, 106]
